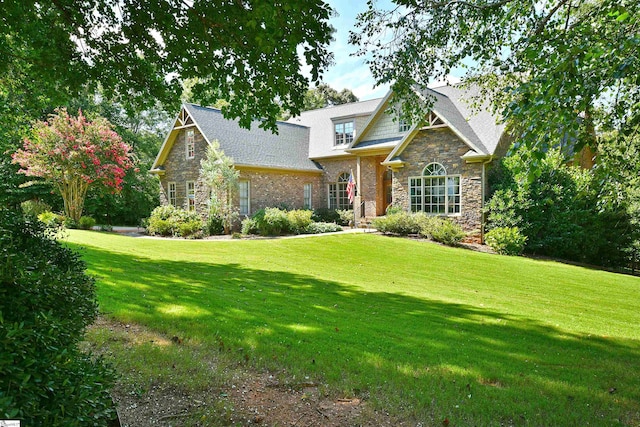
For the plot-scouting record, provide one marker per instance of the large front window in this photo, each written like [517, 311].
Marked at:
[435, 192]
[343, 133]
[338, 197]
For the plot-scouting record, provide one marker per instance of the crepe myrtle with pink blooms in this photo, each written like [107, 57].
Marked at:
[74, 154]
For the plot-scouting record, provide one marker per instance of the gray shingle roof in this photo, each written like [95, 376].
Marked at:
[477, 125]
[256, 147]
[321, 127]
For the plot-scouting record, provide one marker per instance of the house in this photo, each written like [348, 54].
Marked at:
[437, 166]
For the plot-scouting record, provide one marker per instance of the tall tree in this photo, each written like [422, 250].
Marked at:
[545, 65]
[74, 154]
[219, 174]
[324, 95]
[244, 51]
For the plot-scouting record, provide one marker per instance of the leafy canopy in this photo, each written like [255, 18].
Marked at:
[244, 51]
[73, 153]
[543, 64]
[324, 95]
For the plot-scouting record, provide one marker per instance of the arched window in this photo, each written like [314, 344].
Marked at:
[338, 198]
[435, 192]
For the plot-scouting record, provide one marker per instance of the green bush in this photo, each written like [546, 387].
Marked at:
[322, 227]
[445, 231]
[325, 215]
[401, 223]
[506, 240]
[249, 226]
[46, 302]
[51, 219]
[299, 220]
[33, 208]
[214, 225]
[274, 222]
[346, 216]
[172, 221]
[393, 209]
[86, 222]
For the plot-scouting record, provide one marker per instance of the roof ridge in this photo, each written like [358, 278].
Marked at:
[219, 111]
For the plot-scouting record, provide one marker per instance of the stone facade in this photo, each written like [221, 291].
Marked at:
[444, 147]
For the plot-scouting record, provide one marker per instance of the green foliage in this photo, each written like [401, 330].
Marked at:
[86, 222]
[222, 177]
[249, 226]
[506, 240]
[51, 219]
[322, 227]
[325, 215]
[559, 212]
[46, 302]
[171, 221]
[393, 209]
[346, 216]
[324, 95]
[442, 230]
[274, 222]
[33, 208]
[299, 220]
[214, 224]
[540, 64]
[401, 223]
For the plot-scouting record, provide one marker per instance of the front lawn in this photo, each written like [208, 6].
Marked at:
[425, 332]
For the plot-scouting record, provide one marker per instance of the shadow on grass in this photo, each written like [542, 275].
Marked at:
[422, 359]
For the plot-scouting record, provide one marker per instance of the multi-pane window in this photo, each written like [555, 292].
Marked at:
[243, 192]
[190, 144]
[343, 133]
[191, 195]
[435, 192]
[403, 126]
[171, 194]
[338, 198]
[307, 196]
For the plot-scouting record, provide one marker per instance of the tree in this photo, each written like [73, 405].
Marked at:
[545, 65]
[74, 154]
[218, 172]
[324, 95]
[247, 52]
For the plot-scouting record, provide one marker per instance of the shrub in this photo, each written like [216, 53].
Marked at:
[33, 208]
[299, 220]
[214, 225]
[172, 221]
[51, 219]
[249, 226]
[46, 302]
[445, 231]
[506, 240]
[325, 215]
[322, 227]
[393, 209]
[86, 222]
[401, 223]
[274, 222]
[346, 216]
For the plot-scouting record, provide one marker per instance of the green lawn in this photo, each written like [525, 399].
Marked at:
[422, 331]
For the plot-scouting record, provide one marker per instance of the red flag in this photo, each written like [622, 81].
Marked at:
[351, 188]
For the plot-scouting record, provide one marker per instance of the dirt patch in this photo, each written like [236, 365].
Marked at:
[248, 398]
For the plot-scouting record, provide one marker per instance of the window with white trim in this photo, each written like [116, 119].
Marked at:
[244, 193]
[190, 143]
[403, 126]
[435, 192]
[338, 198]
[344, 133]
[307, 195]
[171, 194]
[191, 195]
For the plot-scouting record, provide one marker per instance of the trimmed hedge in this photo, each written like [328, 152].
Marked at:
[172, 221]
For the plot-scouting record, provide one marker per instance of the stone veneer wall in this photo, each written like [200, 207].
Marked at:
[272, 188]
[444, 147]
[179, 169]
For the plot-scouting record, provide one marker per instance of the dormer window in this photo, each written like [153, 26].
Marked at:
[403, 126]
[344, 132]
[190, 144]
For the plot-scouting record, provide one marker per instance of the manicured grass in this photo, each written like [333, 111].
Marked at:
[422, 331]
